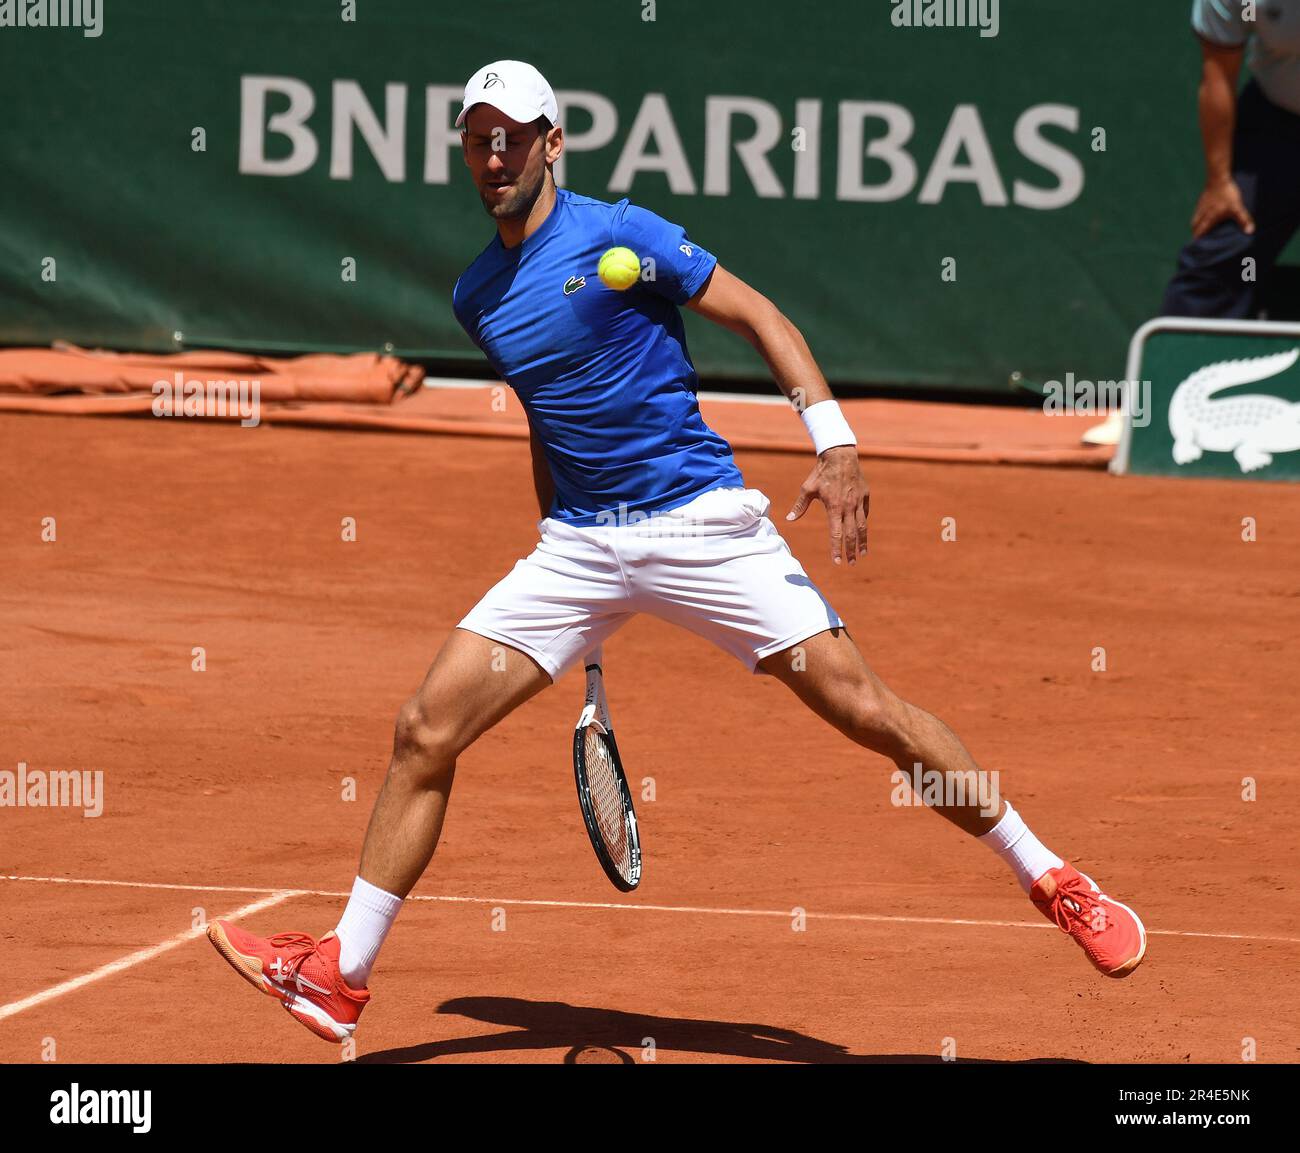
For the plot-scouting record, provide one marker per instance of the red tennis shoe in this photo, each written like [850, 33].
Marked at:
[299, 972]
[1110, 933]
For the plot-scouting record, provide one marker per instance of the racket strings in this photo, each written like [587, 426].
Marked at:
[607, 800]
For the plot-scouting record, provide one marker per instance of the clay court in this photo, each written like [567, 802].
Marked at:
[224, 790]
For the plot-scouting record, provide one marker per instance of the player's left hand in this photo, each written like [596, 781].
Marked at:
[837, 482]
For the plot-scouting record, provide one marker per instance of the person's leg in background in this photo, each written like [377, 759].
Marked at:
[1213, 279]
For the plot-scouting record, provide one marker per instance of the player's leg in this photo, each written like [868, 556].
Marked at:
[723, 571]
[474, 682]
[556, 604]
[718, 567]
[830, 675]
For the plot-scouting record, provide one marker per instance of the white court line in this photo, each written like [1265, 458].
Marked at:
[161, 885]
[138, 957]
[691, 909]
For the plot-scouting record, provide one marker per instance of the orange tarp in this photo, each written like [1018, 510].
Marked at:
[366, 391]
[71, 376]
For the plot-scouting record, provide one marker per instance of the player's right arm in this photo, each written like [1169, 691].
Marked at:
[689, 275]
[1217, 102]
[836, 479]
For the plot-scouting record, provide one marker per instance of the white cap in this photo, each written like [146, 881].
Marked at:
[516, 88]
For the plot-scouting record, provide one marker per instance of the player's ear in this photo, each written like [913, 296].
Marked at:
[464, 147]
[554, 144]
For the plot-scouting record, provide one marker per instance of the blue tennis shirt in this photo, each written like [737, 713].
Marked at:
[604, 376]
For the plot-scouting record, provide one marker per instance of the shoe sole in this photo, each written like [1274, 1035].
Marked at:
[1133, 962]
[315, 1018]
[306, 1013]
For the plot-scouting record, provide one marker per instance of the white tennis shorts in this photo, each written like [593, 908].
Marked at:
[715, 565]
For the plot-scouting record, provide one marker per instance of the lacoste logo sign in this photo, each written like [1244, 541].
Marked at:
[573, 284]
[1251, 426]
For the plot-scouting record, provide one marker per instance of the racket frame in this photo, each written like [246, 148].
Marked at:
[595, 714]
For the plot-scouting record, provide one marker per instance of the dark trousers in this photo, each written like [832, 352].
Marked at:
[1266, 167]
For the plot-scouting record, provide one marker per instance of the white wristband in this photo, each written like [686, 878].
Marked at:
[826, 425]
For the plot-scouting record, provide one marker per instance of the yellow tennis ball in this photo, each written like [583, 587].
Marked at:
[619, 269]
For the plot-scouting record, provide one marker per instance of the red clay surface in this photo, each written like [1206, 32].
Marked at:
[178, 534]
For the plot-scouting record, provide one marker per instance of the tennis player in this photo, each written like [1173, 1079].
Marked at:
[644, 510]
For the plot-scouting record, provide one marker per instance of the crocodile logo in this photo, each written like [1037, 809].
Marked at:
[1252, 426]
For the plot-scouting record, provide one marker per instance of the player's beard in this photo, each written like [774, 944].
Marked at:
[518, 202]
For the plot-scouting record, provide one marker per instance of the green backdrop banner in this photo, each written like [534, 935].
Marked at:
[931, 205]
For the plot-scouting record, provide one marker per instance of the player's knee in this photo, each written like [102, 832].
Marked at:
[422, 744]
[879, 722]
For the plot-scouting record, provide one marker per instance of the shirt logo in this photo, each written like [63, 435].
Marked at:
[686, 248]
[573, 284]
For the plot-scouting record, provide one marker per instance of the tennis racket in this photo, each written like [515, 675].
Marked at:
[602, 788]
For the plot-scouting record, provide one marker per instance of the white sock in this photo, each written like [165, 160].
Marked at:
[366, 921]
[1028, 857]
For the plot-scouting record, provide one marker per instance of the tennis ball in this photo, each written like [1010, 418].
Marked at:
[619, 269]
